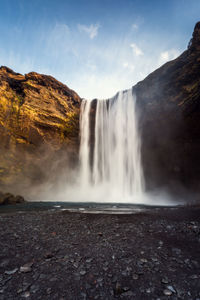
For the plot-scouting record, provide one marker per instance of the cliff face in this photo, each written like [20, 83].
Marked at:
[169, 104]
[39, 120]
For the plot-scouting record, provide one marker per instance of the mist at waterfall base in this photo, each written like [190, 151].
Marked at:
[110, 168]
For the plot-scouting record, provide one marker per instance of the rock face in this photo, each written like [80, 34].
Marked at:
[169, 104]
[39, 120]
[8, 198]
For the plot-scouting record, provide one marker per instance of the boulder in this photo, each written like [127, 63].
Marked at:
[9, 198]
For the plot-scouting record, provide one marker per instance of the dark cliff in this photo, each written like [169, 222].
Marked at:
[169, 105]
[39, 120]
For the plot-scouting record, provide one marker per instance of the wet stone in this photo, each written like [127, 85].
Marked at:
[167, 292]
[42, 276]
[171, 288]
[128, 294]
[4, 263]
[34, 288]
[164, 280]
[126, 288]
[143, 260]
[114, 279]
[195, 276]
[26, 268]
[87, 286]
[26, 295]
[48, 291]
[11, 271]
[75, 265]
[82, 272]
[135, 276]
[26, 286]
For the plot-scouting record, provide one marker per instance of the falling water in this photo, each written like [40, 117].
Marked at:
[84, 153]
[112, 168]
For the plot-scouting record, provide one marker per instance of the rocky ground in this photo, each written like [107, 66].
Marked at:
[152, 254]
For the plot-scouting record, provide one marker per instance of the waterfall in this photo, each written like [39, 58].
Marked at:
[112, 167]
[84, 153]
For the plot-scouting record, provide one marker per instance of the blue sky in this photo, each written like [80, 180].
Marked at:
[96, 47]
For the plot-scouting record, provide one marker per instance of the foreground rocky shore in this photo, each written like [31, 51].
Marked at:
[153, 254]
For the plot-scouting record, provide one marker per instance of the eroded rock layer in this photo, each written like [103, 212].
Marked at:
[39, 120]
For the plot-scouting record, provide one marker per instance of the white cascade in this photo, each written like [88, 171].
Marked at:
[114, 169]
[84, 153]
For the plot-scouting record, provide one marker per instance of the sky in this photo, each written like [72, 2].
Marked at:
[95, 47]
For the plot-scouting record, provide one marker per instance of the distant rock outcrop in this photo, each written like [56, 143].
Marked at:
[39, 118]
[7, 198]
[169, 104]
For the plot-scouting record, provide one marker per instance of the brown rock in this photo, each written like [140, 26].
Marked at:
[9, 198]
[19, 199]
[39, 120]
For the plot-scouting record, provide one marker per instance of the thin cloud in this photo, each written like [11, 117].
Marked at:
[135, 26]
[128, 66]
[136, 50]
[91, 30]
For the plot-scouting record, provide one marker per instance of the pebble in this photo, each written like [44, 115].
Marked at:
[11, 272]
[87, 286]
[82, 272]
[26, 294]
[164, 280]
[171, 288]
[154, 259]
[128, 294]
[75, 265]
[167, 292]
[126, 288]
[194, 276]
[135, 276]
[34, 288]
[4, 263]
[53, 279]
[26, 268]
[143, 260]
[114, 279]
[43, 276]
